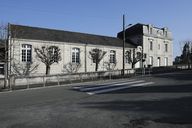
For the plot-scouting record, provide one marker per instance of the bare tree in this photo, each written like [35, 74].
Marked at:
[3, 32]
[3, 39]
[24, 69]
[96, 56]
[186, 56]
[48, 55]
[71, 67]
[2, 52]
[133, 56]
[3, 49]
[110, 66]
[8, 37]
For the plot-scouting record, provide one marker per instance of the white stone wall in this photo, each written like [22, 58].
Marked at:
[66, 50]
[159, 40]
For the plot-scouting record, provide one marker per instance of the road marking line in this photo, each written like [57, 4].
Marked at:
[112, 85]
[119, 88]
[78, 87]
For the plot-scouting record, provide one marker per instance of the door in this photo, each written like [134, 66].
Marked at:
[158, 61]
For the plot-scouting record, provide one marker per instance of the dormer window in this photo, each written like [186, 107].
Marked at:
[166, 34]
[151, 30]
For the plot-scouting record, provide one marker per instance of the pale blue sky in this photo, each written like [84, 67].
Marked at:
[102, 17]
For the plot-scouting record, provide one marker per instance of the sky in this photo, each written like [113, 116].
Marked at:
[102, 17]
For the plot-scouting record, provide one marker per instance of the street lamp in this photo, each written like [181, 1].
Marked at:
[123, 72]
[143, 57]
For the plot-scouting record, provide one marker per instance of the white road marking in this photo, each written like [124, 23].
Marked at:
[118, 88]
[78, 87]
[112, 85]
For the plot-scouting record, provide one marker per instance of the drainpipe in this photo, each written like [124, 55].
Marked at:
[86, 57]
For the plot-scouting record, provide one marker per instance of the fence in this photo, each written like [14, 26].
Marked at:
[21, 82]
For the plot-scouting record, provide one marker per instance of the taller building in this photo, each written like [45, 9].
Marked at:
[156, 42]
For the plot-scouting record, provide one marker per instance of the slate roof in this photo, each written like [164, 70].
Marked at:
[134, 30]
[35, 33]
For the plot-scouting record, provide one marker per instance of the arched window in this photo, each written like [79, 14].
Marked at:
[75, 55]
[26, 53]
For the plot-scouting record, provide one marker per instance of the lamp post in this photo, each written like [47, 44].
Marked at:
[143, 56]
[141, 50]
[123, 71]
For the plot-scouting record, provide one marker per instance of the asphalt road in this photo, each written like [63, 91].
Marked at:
[164, 103]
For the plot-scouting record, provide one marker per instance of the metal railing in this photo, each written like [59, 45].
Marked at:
[24, 82]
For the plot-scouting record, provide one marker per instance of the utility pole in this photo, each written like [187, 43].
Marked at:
[6, 57]
[86, 57]
[123, 72]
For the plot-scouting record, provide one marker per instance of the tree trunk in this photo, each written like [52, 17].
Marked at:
[133, 65]
[96, 66]
[47, 69]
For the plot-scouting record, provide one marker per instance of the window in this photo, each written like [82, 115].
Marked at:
[166, 61]
[112, 56]
[54, 53]
[151, 45]
[127, 56]
[166, 34]
[166, 47]
[26, 53]
[151, 60]
[151, 30]
[159, 46]
[75, 55]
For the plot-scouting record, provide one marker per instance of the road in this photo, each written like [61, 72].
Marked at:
[158, 101]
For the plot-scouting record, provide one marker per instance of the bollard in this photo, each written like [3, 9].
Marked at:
[58, 80]
[44, 81]
[27, 83]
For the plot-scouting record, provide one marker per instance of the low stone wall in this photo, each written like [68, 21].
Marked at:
[58, 79]
[1, 82]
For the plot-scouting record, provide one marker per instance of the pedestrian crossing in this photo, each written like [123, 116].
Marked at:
[111, 86]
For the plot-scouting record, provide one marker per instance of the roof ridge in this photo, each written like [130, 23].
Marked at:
[38, 33]
[60, 30]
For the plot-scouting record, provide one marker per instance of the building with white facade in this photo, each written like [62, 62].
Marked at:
[75, 47]
[157, 44]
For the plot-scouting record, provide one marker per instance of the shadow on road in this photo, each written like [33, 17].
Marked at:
[186, 88]
[182, 75]
[175, 111]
